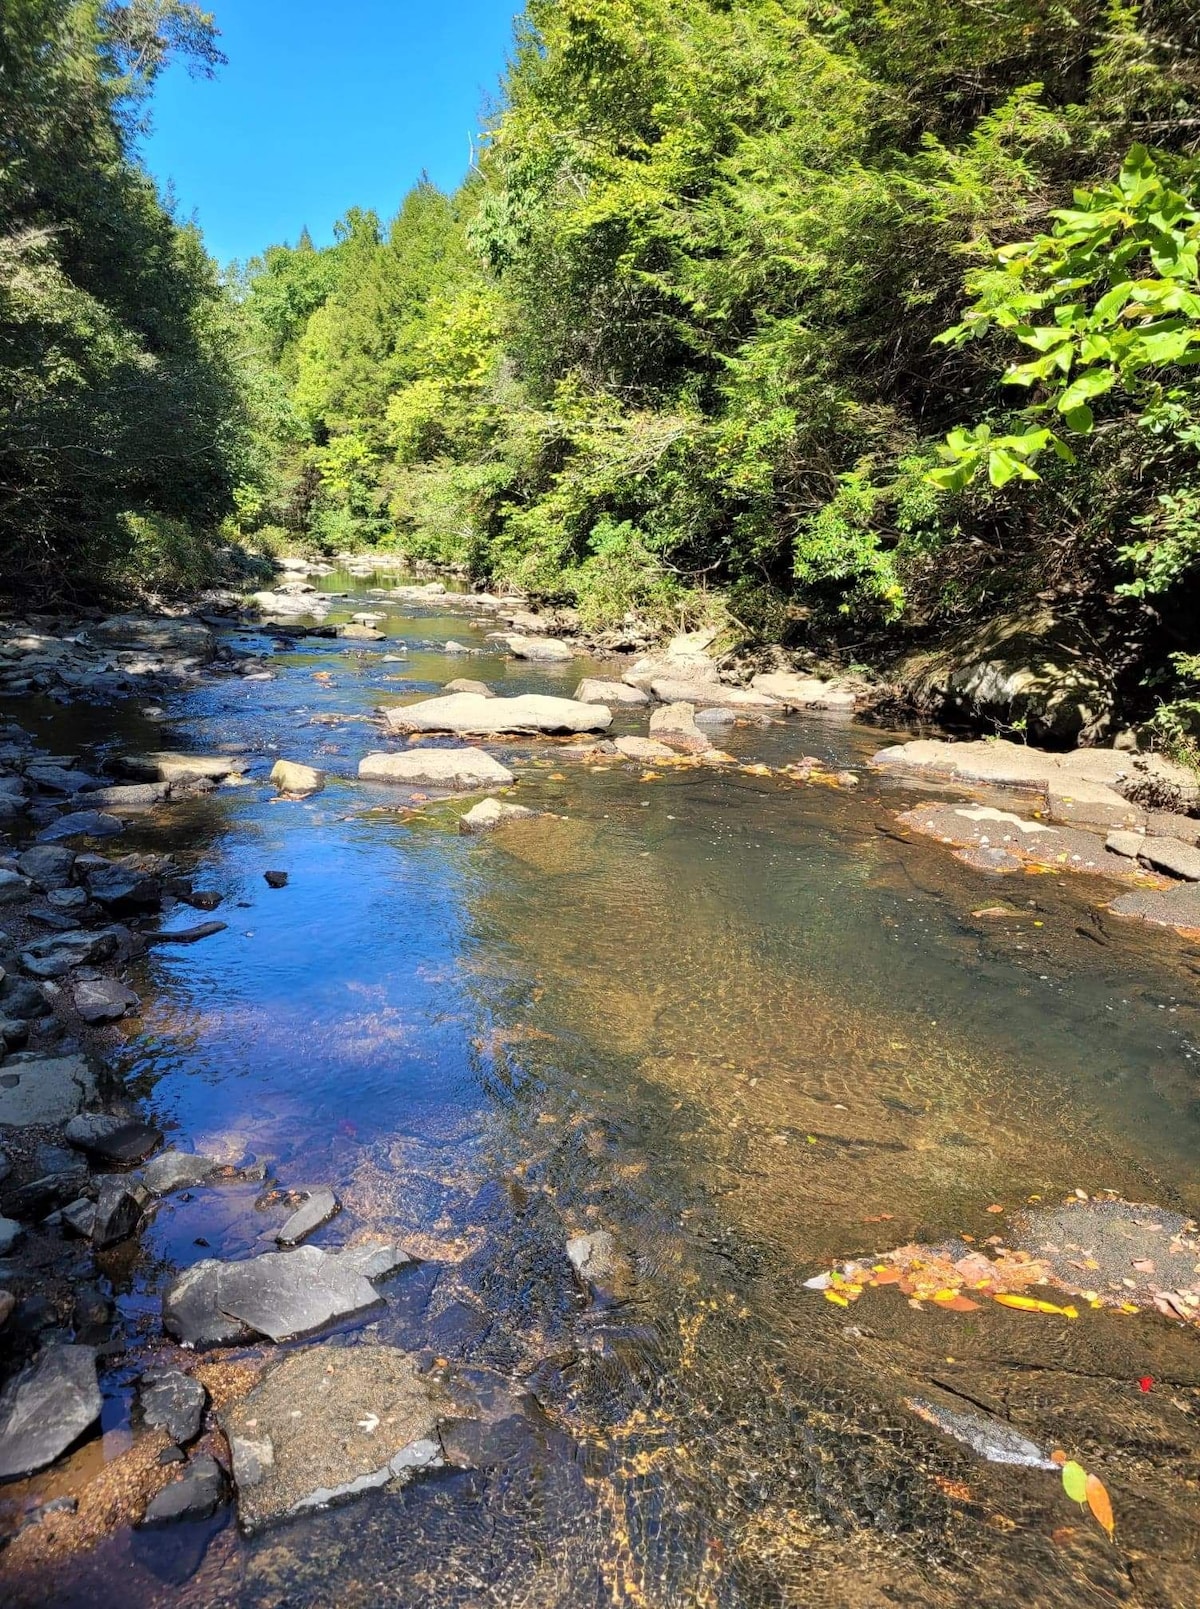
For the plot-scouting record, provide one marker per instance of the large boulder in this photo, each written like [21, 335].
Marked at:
[463, 770]
[327, 1423]
[46, 1408]
[1029, 666]
[471, 715]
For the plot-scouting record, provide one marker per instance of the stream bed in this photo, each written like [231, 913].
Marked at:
[744, 1027]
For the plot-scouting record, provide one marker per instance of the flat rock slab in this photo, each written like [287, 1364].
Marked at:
[489, 813]
[174, 1402]
[797, 692]
[327, 1423]
[644, 748]
[1079, 802]
[1018, 765]
[471, 715]
[152, 634]
[713, 695]
[459, 769]
[165, 765]
[318, 1209]
[593, 691]
[1001, 840]
[1176, 907]
[178, 1170]
[281, 1295]
[1169, 855]
[46, 1408]
[44, 1089]
[81, 824]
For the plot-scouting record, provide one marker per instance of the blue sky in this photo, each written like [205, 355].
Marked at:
[323, 107]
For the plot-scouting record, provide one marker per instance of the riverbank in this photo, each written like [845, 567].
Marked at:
[470, 1279]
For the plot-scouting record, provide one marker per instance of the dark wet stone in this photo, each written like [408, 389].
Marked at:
[10, 1232]
[44, 1194]
[318, 1209]
[275, 879]
[119, 1211]
[55, 956]
[43, 1089]
[114, 1139]
[173, 1401]
[23, 1000]
[123, 889]
[172, 1455]
[13, 1033]
[187, 935]
[104, 999]
[177, 1170]
[196, 1495]
[47, 1408]
[81, 824]
[281, 1295]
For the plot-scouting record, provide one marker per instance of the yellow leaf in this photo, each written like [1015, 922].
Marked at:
[836, 1296]
[1031, 1304]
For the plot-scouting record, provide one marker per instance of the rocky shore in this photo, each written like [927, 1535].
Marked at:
[82, 1171]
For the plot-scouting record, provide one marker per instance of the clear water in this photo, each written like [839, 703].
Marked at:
[742, 1025]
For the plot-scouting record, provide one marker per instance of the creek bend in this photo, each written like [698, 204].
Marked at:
[737, 1025]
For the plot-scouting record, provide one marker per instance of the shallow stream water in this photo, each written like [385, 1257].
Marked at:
[741, 1024]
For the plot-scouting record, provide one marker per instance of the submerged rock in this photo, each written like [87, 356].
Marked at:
[459, 769]
[471, 715]
[327, 1423]
[46, 1408]
[991, 1438]
[593, 1256]
[281, 1295]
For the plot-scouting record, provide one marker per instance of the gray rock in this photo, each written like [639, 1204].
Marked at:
[715, 716]
[1129, 844]
[174, 1402]
[591, 690]
[130, 795]
[22, 1000]
[44, 1089]
[328, 1423]
[55, 956]
[49, 1405]
[59, 779]
[675, 725]
[991, 1438]
[289, 776]
[489, 813]
[70, 901]
[1166, 824]
[464, 684]
[713, 695]
[356, 633]
[165, 765]
[118, 1211]
[196, 1495]
[49, 865]
[177, 1170]
[187, 935]
[104, 999]
[80, 1216]
[81, 824]
[593, 1256]
[13, 887]
[470, 715]
[318, 1209]
[463, 769]
[644, 748]
[374, 1259]
[1168, 855]
[123, 888]
[10, 1232]
[281, 1295]
[112, 1139]
[548, 650]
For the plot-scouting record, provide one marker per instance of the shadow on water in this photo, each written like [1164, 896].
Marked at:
[744, 1029]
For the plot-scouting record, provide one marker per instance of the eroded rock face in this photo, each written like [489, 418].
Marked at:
[462, 770]
[281, 1295]
[327, 1423]
[472, 715]
[46, 1408]
[1026, 666]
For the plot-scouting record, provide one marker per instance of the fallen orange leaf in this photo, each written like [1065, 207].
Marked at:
[1058, 1457]
[995, 1207]
[1099, 1502]
[956, 1303]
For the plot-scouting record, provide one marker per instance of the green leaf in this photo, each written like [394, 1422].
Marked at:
[1074, 1479]
[1003, 467]
[1092, 383]
[1111, 303]
[1081, 419]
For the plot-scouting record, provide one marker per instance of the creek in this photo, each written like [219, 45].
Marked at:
[743, 1026]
